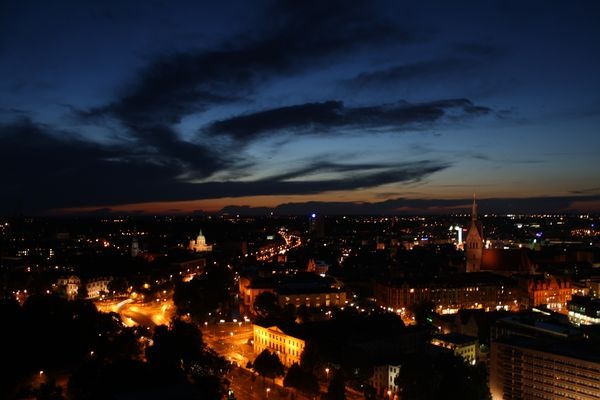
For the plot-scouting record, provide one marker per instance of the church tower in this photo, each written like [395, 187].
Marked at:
[474, 242]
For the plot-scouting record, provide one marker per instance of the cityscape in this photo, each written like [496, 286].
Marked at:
[465, 306]
[300, 200]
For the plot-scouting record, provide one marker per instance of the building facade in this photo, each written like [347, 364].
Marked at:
[552, 292]
[199, 245]
[333, 298]
[488, 293]
[288, 348]
[584, 310]
[522, 369]
[97, 286]
[463, 346]
[71, 286]
[383, 380]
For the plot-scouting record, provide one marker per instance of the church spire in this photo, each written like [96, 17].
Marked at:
[474, 210]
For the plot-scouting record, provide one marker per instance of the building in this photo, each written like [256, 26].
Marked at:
[307, 289]
[71, 286]
[188, 268]
[273, 338]
[474, 290]
[97, 286]
[94, 287]
[199, 245]
[500, 261]
[584, 310]
[463, 346]
[316, 225]
[383, 380]
[525, 368]
[551, 292]
[474, 243]
[316, 298]
[535, 325]
[319, 267]
[135, 247]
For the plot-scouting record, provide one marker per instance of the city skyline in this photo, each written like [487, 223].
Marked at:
[364, 108]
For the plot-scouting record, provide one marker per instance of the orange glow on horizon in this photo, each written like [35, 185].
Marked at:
[273, 201]
[216, 205]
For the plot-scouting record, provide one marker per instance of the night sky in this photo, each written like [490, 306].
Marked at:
[338, 107]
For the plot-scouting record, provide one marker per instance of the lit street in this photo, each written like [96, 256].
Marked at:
[145, 314]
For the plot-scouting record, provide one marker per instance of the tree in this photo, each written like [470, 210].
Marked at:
[336, 390]
[302, 380]
[444, 376]
[266, 305]
[311, 358]
[268, 364]
[49, 391]
[117, 286]
[204, 294]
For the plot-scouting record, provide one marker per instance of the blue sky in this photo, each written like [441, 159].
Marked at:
[344, 107]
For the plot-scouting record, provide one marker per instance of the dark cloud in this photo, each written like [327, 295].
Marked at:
[60, 170]
[54, 170]
[196, 159]
[594, 190]
[318, 117]
[175, 85]
[461, 60]
[421, 70]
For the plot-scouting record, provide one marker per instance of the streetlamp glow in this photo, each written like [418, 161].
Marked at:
[327, 372]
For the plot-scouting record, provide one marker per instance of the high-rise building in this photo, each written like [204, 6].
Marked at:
[316, 225]
[525, 368]
[135, 247]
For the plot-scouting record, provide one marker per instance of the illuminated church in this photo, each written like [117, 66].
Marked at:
[501, 261]
[474, 243]
[199, 245]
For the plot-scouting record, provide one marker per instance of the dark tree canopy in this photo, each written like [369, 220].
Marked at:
[336, 390]
[46, 326]
[268, 364]
[444, 376]
[266, 305]
[204, 294]
[302, 380]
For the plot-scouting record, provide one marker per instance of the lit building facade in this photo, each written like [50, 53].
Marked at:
[552, 292]
[474, 243]
[383, 380]
[71, 286]
[489, 293]
[199, 245]
[584, 310]
[316, 292]
[96, 287]
[461, 345]
[333, 298]
[288, 348]
[521, 368]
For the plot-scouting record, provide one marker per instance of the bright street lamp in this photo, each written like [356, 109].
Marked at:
[327, 373]
[268, 390]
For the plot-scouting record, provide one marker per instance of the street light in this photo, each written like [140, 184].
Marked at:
[389, 395]
[327, 373]
[268, 390]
